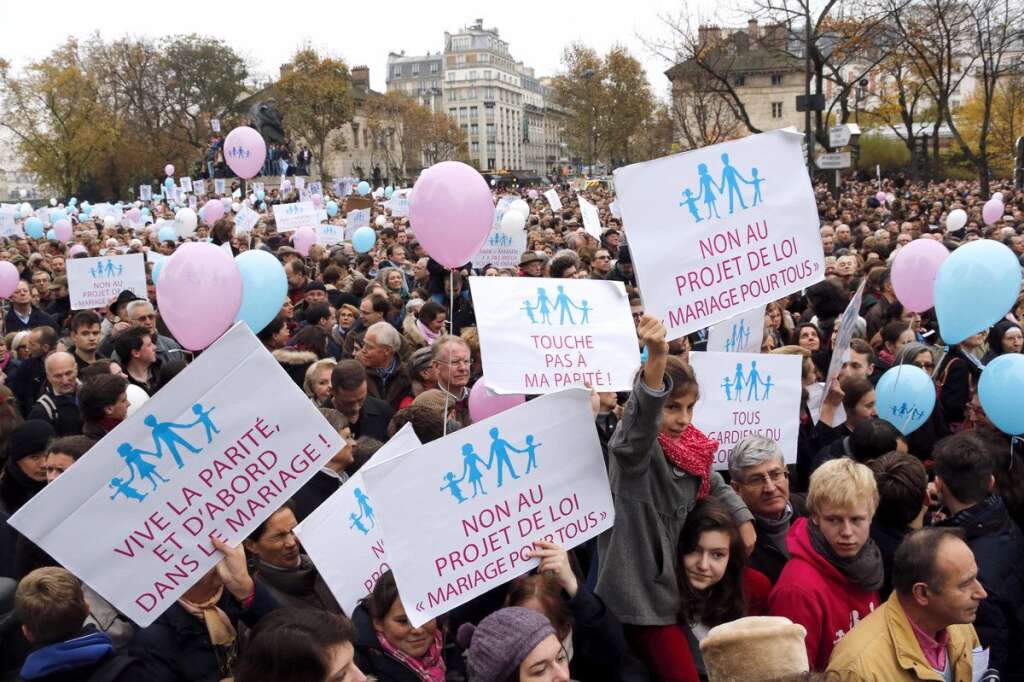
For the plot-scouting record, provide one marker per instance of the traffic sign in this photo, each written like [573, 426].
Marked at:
[840, 135]
[835, 161]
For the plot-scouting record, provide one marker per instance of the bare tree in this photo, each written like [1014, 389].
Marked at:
[701, 116]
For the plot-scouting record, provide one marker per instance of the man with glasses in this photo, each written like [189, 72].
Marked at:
[601, 264]
[142, 314]
[759, 475]
[451, 363]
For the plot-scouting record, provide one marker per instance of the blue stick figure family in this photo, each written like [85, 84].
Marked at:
[739, 337]
[710, 191]
[365, 514]
[165, 439]
[499, 456]
[108, 270]
[540, 311]
[499, 239]
[757, 387]
[239, 153]
[908, 412]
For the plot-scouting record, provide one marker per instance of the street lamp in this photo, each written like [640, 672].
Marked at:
[588, 75]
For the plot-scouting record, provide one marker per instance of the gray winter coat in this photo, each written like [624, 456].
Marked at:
[639, 555]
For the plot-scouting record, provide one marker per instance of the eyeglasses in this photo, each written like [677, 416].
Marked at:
[929, 366]
[761, 480]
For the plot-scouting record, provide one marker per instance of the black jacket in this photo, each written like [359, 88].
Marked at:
[373, 420]
[176, 646]
[998, 548]
[37, 318]
[60, 411]
[372, 659]
[313, 493]
[958, 376]
[27, 382]
[766, 557]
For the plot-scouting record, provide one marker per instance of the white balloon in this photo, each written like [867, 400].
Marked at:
[512, 221]
[109, 221]
[26, 209]
[521, 207]
[136, 397]
[956, 219]
[53, 202]
[998, 195]
[380, 221]
[185, 221]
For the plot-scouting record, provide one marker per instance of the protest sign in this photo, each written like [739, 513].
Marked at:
[329, 235]
[199, 187]
[399, 204]
[193, 203]
[745, 394]
[343, 186]
[215, 125]
[717, 231]
[501, 249]
[300, 183]
[218, 185]
[146, 192]
[591, 218]
[290, 217]
[215, 452]
[95, 282]
[356, 219]
[552, 196]
[245, 220]
[257, 187]
[9, 226]
[460, 514]
[315, 188]
[103, 210]
[614, 208]
[541, 335]
[356, 203]
[186, 184]
[740, 334]
[847, 325]
[342, 536]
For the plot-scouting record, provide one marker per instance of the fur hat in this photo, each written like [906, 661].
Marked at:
[754, 649]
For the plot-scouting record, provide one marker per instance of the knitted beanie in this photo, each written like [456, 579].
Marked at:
[29, 438]
[502, 642]
[753, 649]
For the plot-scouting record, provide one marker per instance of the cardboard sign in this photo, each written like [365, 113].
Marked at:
[502, 249]
[460, 514]
[740, 334]
[219, 185]
[356, 219]
[744, 394]
[9, 226]
[541, 335]
[199, 186]
[356, 204]
[591, 218]
[720, 230]
[342, 536]
[95, 282]
[552, 196]
[215, 452]
[245, 220]
[329, 235]
[146, 192]
[290, 217]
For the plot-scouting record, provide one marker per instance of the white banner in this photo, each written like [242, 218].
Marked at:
[342, 536]
[95, 282]
[9, 226]
[717, 231]
[329, 235]
[591, 217]
[744, 394]
[146, 192]
[356, 219]
[502, 249]
[552, 196]
[215, 452]
[460, 514]
[541, 335]
[290, 217]
[740, 334]
[245, 220]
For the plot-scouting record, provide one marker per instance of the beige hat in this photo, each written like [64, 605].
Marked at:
[754, 649]
[433, 398]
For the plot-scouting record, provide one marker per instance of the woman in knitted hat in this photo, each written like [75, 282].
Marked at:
[514, 645]
[24, 473]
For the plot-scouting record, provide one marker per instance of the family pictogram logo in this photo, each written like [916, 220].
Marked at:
[729, 187]
[499, 457]
[541, 310]
[106, 271]
[749, 386]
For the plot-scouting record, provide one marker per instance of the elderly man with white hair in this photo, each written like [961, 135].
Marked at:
[759, 475]
[58, 404]
[386, 376]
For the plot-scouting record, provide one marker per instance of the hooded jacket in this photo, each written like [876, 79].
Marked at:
[813, 593]
[79, 659]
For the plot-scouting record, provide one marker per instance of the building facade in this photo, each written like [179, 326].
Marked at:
[419, 77]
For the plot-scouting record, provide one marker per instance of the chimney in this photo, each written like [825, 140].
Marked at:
[286, 69]
[752, 30]
[361, 76]
[709, 36]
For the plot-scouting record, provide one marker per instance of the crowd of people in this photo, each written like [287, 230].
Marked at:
[874, 556]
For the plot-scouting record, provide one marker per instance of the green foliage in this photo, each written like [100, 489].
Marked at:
[890, 154]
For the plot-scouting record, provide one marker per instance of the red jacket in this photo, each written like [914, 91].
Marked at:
[813, 593]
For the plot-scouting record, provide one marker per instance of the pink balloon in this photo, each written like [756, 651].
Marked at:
[532, 194]
[317, 200]
[451, 212]
[62, 230]
[992, 212]
[8, 279]
[199, 293]
[134, 215]
[245, 151]
[77, 249]
[169, 170]
[484, 404]
[913, 273]
[882, 197]
[303, 240]
[212, 212]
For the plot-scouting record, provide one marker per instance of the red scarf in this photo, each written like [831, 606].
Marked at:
[693, 452]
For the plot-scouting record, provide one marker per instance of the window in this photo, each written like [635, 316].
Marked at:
[434, 67]
[474, 129]
[415, 69]
[776, 79]
[776, 109]
[460, 59]
[451, 76]
[475, 147]
[396, 70]
[487, 74]
[739, 81]
[490, 164]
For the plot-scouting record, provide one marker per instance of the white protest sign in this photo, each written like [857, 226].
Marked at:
[245, 220]
[460, 514]
[186, 184]
[315, 188]
[847, 324]
[540, 335]
[216, 451]
[720, 230]
[218, 185]
[740, 334]
[745, 394]
[614, 208]
[321, 213]
[342, 536]
[199, 187]
[95, 282]
[501, 249]
[257, 187]
[215, 125]
[300, 183]
[9, 226]
[146, 192]
[591, 218]
[103, 210]
[356, 219]
[329, 235]
[552, 196]
[343, 186]
[290, 217]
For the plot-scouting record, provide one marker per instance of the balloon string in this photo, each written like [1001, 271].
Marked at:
[451, 327]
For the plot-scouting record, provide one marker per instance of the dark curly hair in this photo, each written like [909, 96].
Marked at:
[725, 601]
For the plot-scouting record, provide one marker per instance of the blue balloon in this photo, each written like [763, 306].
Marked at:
[331, 208]
[58, 214]
[976, 286]
[156, 270]
[264, 288]
[260, 194]
[51, 235]
[34, 227]
[263, 206]
[999, 391]
[388, 191]
[363, 188]
[167, 234]
[169, 183]
[905, 397]
[72, 201]
[363, 239]
[85, 210]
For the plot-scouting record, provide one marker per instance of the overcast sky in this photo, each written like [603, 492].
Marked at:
[267, 33]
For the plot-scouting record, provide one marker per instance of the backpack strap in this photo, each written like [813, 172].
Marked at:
[50, 407]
